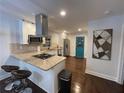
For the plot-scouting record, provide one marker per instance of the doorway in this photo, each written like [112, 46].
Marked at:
[80, 47]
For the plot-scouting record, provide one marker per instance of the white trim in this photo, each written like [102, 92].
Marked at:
[121, 55]
[121, 59]
[101, 75]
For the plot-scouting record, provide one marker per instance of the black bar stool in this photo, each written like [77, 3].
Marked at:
[9, 82]
[9, 68]
[21, 75]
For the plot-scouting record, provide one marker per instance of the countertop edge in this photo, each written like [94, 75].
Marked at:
[25, 61]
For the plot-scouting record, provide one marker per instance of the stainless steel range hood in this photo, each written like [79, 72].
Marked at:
[41, 25]
[41, 36]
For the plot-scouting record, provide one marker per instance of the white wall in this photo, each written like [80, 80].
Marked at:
[108, 69]
[57, 38]
[8, 28]
[72, 39]
[54, 39]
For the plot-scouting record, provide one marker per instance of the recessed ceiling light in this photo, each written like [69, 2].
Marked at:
[65, 31]
[79, 29]
[107, 12]
[33, 14]
[63, 13]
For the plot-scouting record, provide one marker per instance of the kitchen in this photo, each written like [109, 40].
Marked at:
[41, 38]
[34, 43]
[33, 54]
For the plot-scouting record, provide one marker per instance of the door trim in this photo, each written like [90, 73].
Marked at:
[121, 59]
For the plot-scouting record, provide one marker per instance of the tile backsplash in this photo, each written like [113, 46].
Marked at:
[22, 48]
[19, 48]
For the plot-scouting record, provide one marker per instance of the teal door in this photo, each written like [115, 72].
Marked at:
[80, 47]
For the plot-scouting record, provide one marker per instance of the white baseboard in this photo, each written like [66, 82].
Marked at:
[101, 75]
[119, 81]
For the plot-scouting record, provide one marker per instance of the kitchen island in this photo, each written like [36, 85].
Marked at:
[44, 72]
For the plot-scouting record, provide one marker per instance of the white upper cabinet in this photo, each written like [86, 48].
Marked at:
[26, 29]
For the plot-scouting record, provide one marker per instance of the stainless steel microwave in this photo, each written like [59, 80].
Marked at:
[32, 39]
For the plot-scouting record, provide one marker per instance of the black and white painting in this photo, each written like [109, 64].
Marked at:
[102, 44]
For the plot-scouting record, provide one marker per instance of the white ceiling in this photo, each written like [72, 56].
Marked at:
[79, 12]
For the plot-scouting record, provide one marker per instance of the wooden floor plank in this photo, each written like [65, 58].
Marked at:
[85, 83]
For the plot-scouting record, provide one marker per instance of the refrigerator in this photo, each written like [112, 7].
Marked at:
[66, 47]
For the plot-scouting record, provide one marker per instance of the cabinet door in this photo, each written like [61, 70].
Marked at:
[27, 29]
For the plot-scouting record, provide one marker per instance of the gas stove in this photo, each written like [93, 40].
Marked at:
[43, 56]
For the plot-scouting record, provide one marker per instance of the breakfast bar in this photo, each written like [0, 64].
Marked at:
[44, 71]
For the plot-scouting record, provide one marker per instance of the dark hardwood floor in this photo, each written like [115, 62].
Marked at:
[81, 82]
[35, 88]
[85, 83]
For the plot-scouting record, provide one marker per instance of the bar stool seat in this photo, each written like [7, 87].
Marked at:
[11, 81]
[9, 68]
[21, 74]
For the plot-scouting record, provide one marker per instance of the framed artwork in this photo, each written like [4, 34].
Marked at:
[102, 44]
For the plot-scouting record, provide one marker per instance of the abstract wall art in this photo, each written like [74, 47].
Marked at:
[102, 44]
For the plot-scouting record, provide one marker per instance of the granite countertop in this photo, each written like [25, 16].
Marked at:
[42, 64]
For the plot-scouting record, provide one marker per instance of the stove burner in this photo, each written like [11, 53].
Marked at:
[43, 56]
